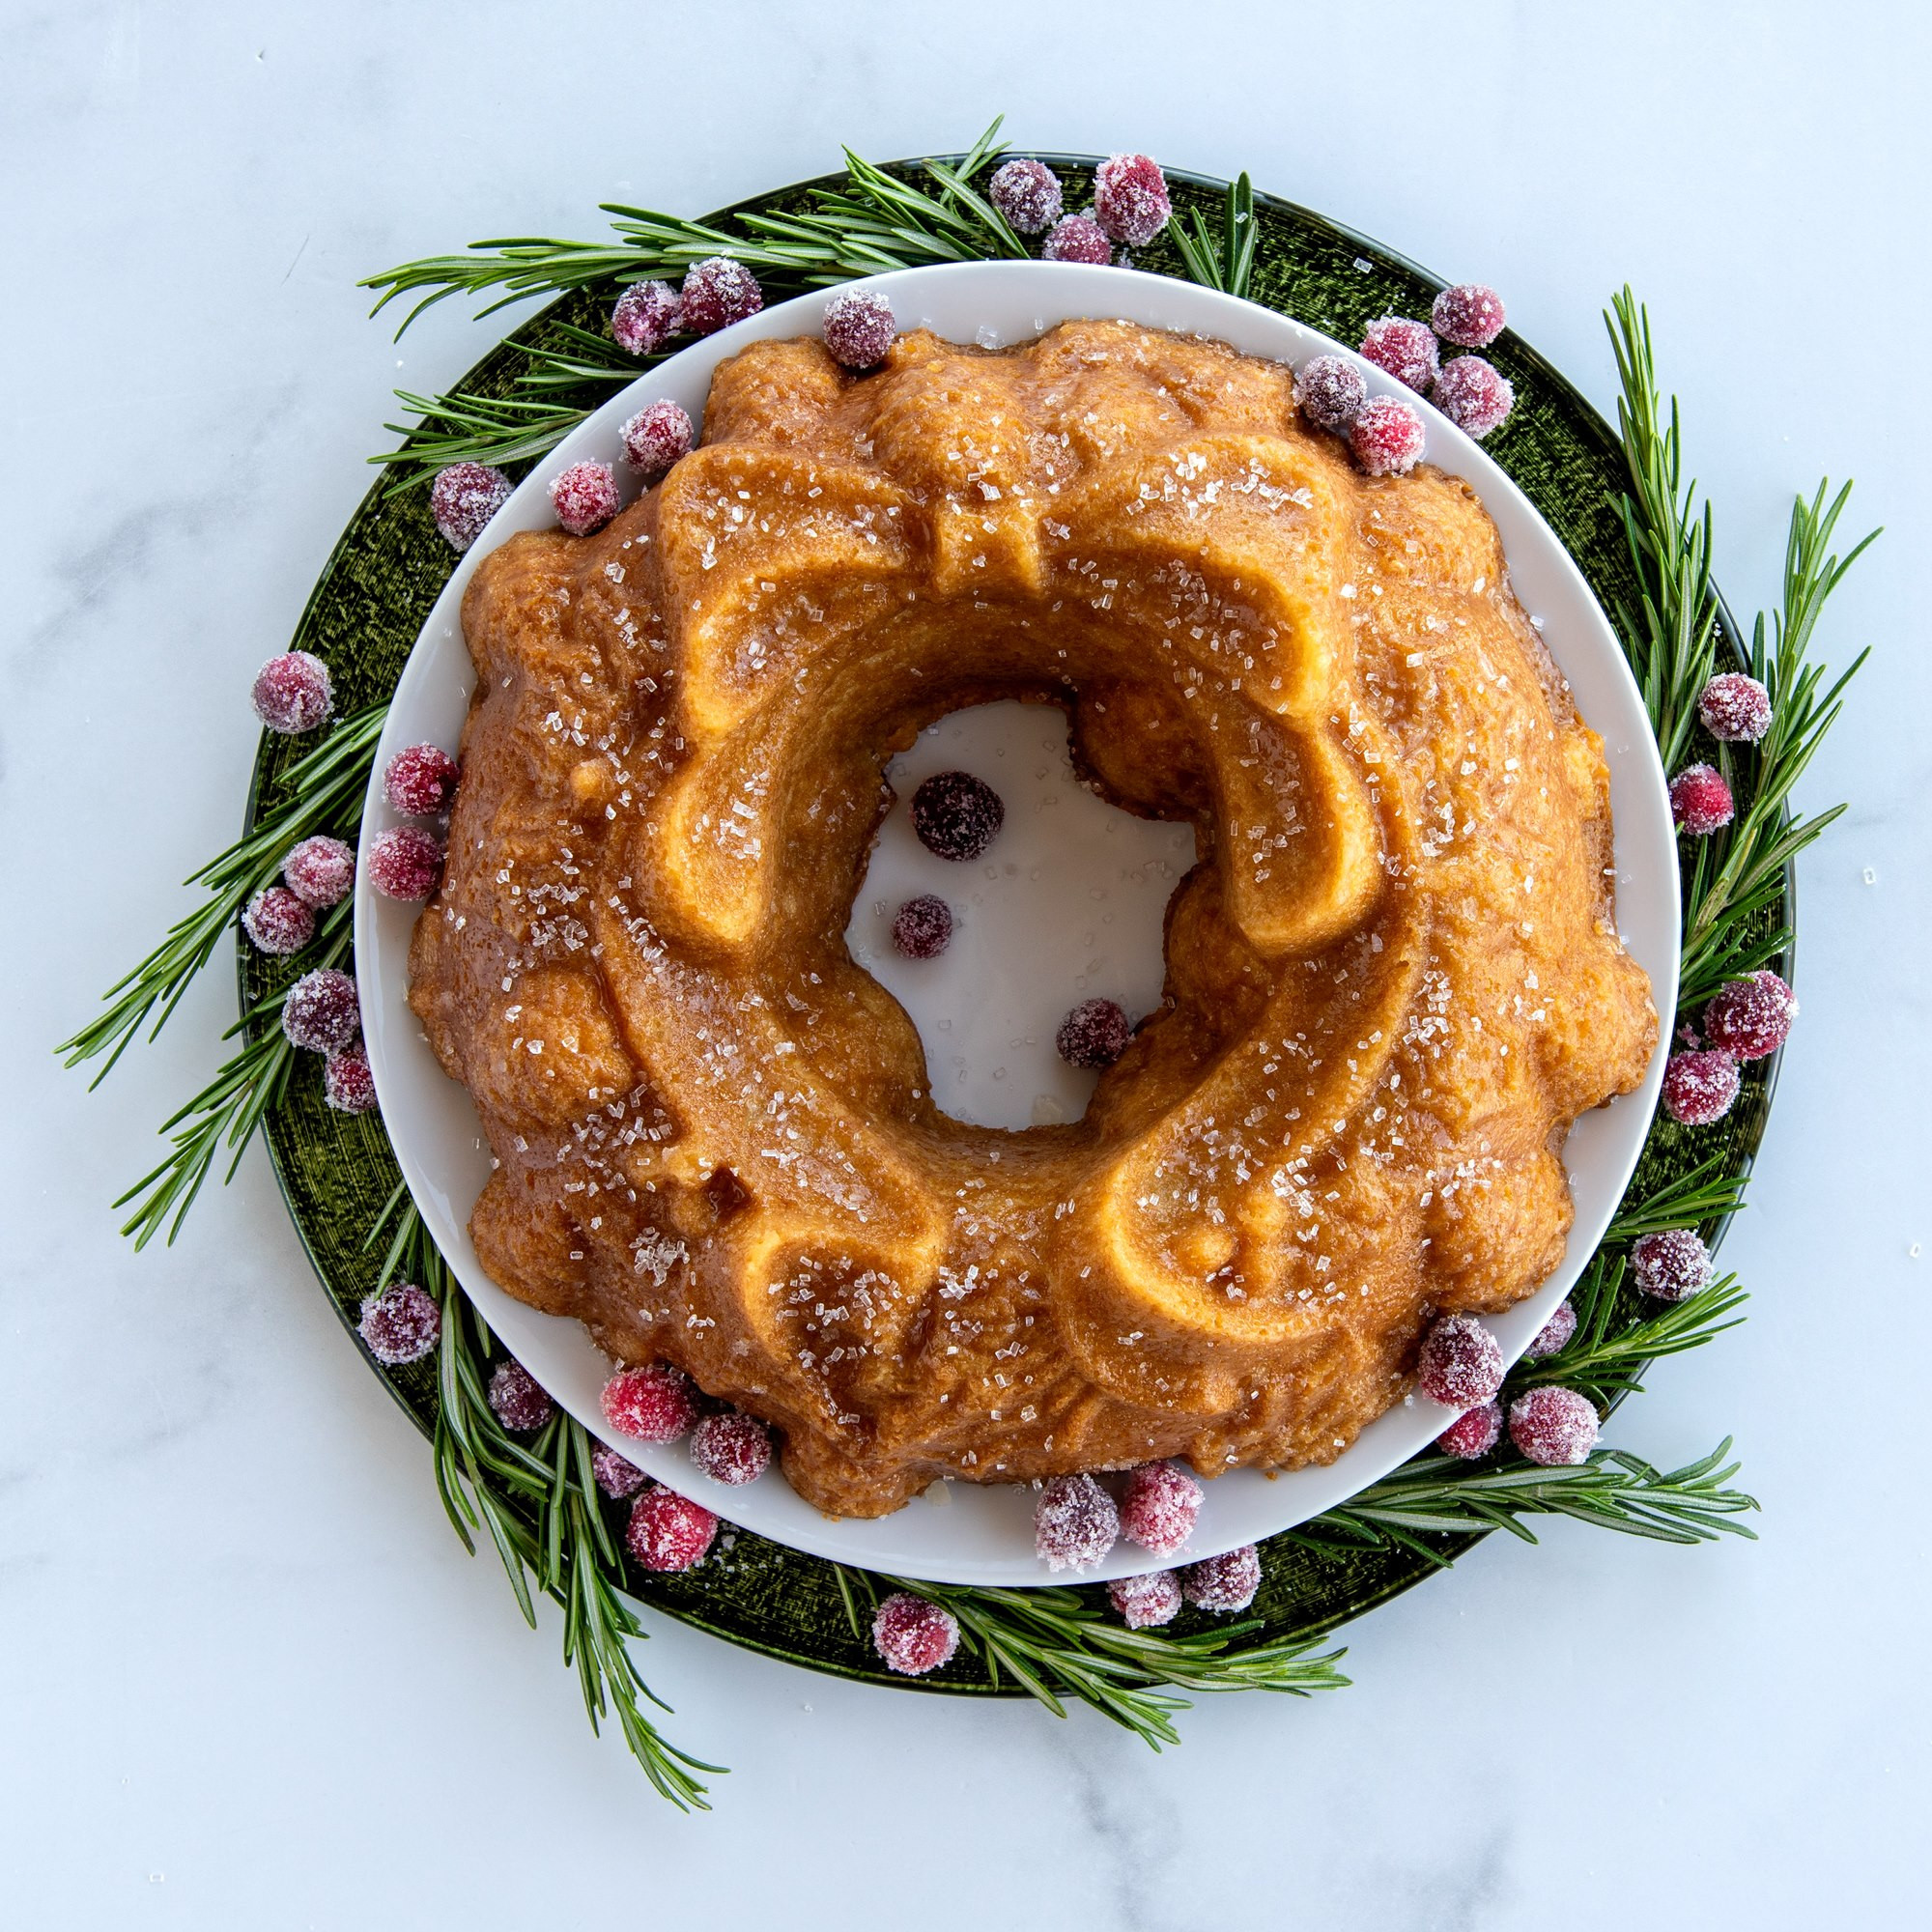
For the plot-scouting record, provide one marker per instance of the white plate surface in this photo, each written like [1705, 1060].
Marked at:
[961, 1532]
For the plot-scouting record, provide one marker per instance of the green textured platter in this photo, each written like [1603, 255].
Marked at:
[364, 618]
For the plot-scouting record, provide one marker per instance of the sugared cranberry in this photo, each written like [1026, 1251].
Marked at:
[346, 1083]
[463, 499]
[293, 693]
[584, 497]
[1331, 391]
[1461, 1364]
[1028, 194]
[858, 328]
[420, 780]
[1671, 1264]
[275, 921]
[521, 1402]
[320, 871]
[616, 1477]
[1224, 1583]
[1751, 1017]
[656, 438]
[1144, 1602]
[1404, 349]
[1386, 437]
[654, 1403]
[718, 292]
[1077, 238]
[923, 928]
[914, 1635]
[1158, 1508]
[1554, 1426]
[1700, 1086]
[399, 1325]
[1700, 800]
[668, 1532]
[1473, 396]
[1093, 1034]
[322, 1013]
[405, 863]
[731, 1448]
[1553, 1337]
[1735, 708]
[1074, 1522]
[956, 815]
[1473, 1433]
[646, 317]
[1130, 199]
[1468, 315]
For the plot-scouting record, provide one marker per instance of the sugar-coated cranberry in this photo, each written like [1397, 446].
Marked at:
[1751, 1017]
[858, 326]
[1671, 1264]
[1735, 708]
[647, 315]
[1074, 1523]
[731, 1448]
[654, 1403]
[1158, 1507]
[584, 497]
[1700, 1086]
[1224, 1583]
[1331, 391]
[1130, 199]
[616, 1476]
[405, 863]
[1553, 1337]
[1386, 437]
[718, 292]
[420, 780]
[522, 1404]
[1472, 1434]
[923, 928]
[1093, 1034]
[293, 693]
[1468, 315]
[275, 921]
[1144, 1602]
[1404, 349]
[464, 497]
[1554, 1426]
[956, 815]
[322, 1013]
[1473, 396]
[1028, 194]
[913, 1635]
[656, 437]
[1700, 800]
[668, 1532]
[346, 1083]
[1077, 238]
[1461, 1364]
[320, 871]
[399, 1325]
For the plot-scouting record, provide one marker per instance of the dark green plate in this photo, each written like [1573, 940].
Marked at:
[373, 598]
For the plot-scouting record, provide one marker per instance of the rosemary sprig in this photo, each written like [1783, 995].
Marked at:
[1705, 1194]
[1225, 262]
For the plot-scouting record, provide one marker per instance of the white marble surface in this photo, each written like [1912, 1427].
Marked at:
[248, 1677]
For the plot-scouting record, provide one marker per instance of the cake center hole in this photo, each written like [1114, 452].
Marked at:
[1067, 904]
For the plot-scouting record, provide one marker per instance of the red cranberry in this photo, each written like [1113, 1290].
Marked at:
[399, 1325]
[923, 928]
[1751, 1017]
[1468, 315]
[656, 438]
[1700, 800]
[1671, 1264]
[1130, 199]
[956, 815]
[1331, 391]
[1144, 1602]
[1386, 437]
[320, 871]
[914, 1635]
[276, 921]
[322, 1013]
[615, 1477]
[718, 293]
[1473, 396]
[1224, 1583]
[654, 1403]
[1472, 1434]
[405, 863]
[1159, 1506]
[1554, 1426]
[731, 1448]
[1093, 1034]
[1406, 350]
[1077, 238]
[584, 497]
[1027, 193]
[1074, 1522]
[420, 780]
[858, 328]
[293, 693]
[1461, 1363]
[1735, 708]
[1699, 1088]
[463, 499]
[346, 1083]
[646, 317]
[668, 1532]
[1553, 1337]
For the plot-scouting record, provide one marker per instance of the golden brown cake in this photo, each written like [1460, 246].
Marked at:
[1393, 979]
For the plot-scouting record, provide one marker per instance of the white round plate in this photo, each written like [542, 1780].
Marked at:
[964, 1532]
